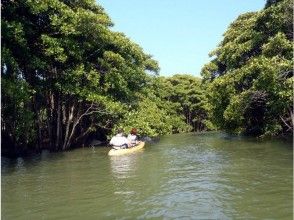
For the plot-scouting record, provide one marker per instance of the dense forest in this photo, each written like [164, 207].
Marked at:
[67, 77]
[250, 77]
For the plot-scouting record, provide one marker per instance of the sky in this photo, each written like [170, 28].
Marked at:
[179, 34]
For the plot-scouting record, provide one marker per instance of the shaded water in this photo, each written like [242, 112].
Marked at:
[185, 176]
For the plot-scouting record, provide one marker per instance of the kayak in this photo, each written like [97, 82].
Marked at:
[117, 152]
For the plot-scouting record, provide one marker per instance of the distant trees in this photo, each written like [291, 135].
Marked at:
[170, 105]
[250, 78]
[189, 95]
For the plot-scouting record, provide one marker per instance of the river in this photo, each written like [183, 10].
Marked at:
[183, 176]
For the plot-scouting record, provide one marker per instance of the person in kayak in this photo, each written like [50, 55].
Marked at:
[119, 141]
[132, 137]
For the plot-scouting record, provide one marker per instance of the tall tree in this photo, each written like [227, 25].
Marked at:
[250, 78]
[77, 69]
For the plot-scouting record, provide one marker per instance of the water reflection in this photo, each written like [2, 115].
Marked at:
[124, 166]
[181, 177]
[125, 178]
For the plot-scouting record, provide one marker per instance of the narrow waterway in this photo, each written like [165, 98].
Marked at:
[184, 176]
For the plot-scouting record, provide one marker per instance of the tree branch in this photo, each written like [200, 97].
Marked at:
[289, 127]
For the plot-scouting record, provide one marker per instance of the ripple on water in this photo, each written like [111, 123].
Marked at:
[187, 176]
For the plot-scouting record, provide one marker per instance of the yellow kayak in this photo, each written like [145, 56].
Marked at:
[114, 152]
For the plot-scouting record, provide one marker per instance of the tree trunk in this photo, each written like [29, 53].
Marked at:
[67, 129]
[51, 120]
[58, 124]
[38, 127]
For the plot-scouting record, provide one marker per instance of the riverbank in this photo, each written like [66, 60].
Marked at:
[30, 152]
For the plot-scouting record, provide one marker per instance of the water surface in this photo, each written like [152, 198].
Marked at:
[184, 176]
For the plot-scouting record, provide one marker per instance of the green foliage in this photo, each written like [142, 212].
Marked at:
[189, 94]
[67, 74]
[148, 119]
[170, 105]
[16, 115]
[250, 78]
[278, 45]
[84, 74]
